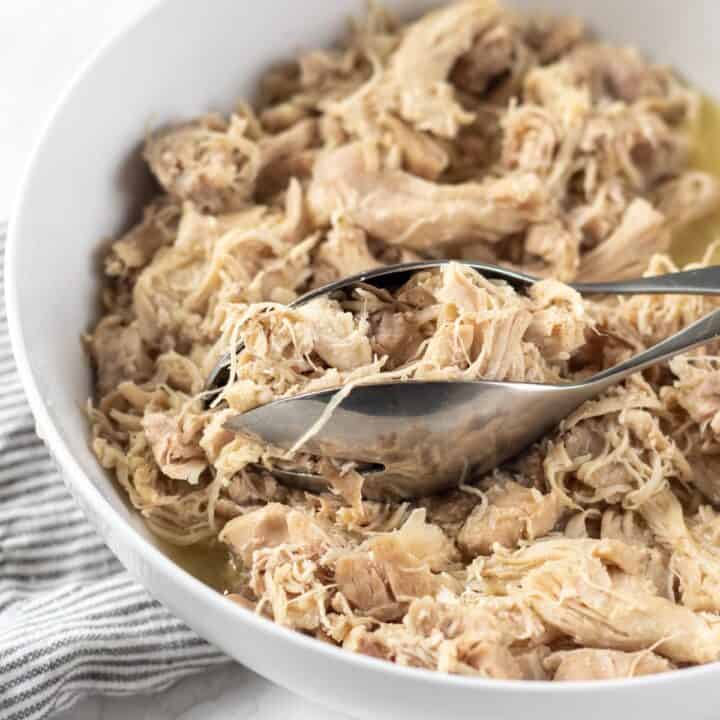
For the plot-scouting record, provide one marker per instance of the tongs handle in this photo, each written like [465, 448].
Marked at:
[700, 332]
[701, 281]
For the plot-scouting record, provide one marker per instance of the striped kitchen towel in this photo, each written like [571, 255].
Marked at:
[72, 622]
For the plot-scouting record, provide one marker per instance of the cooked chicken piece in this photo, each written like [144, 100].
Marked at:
[286, 169]
[280, 277]
[553, 87]
[531, 663]
[552, 37]
[705, 470]
[600, 608]
[119, 353]
[250, 489]
[364, 584]
[346, 250]
[417, 79]
[642, 233]
[653, 318]
[412, 81]
[512, 513]
[215, 164]
[176, 295]
[559, 322]
[552, 250]
[491, 55]
[449, 510]
[174, 443]
[531, 138]
[402, 209]
[396, 335]
[453, 638]
[395, 568]
[178, 372]
[596, 219]
[615, 458]
[626, 526]
[695, 565]
[210, 162]
[697, 390]
[467, 291]
[688, 197]
[422, 155]
[634, 145]
[476, 656]
[573, 586]
[511, 623]
[407, 576]
[276, 149]
[590, 664]
[451, 322]
[339, 338]
[344, 481]
[482, 326]
[505, 570]
[500, 349]
[215, 437]
[136, 248]
[617, 73]
[487, 659]
[395, 643]
[270, 527]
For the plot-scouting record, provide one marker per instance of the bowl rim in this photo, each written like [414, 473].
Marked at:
[178, 578]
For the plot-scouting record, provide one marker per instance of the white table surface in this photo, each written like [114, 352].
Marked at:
[225, 693]
[42, 44]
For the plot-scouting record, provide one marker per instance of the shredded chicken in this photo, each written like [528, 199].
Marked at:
[591, 664]
[472, 133]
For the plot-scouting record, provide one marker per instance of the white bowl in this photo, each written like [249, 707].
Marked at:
[85, 182]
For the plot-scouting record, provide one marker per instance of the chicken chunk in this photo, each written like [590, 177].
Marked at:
[642, 233]
[513, 513]
[688, 197]
[269, 527]
[417, 79]
[174, 443]
[697, 390]
[590, 664]
[346, 250]
[216, 164]
[209, 162]
[119, 353]
[597, 608]
[396, 335]
[395, 568]
[617, 73]
[402, 209]
[338, 337]
[364, 584]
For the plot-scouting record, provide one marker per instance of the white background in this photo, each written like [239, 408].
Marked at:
[42, 45]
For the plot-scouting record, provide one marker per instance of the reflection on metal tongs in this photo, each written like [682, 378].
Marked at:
[416, 438]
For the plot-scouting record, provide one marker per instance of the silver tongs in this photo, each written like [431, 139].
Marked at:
[416, 437]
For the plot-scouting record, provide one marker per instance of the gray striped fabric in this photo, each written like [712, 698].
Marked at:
[72, 622]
